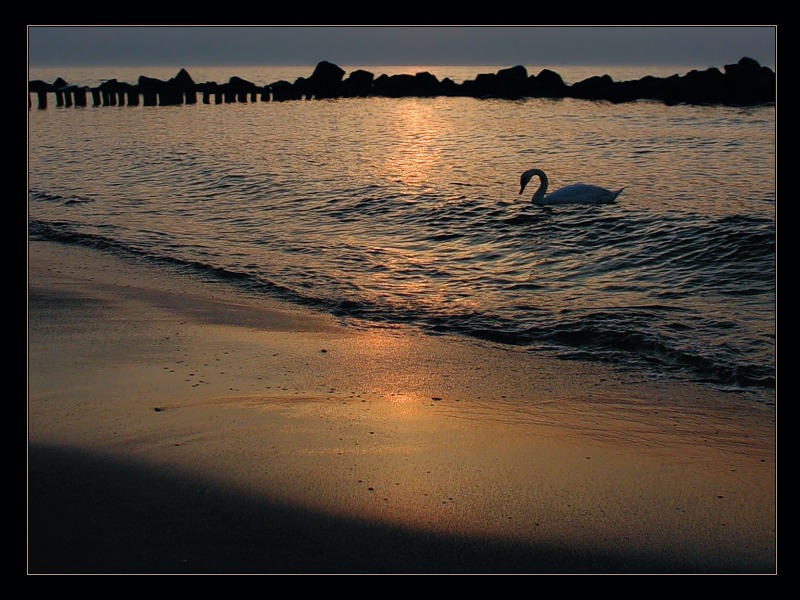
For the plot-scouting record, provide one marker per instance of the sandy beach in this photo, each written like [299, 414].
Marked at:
[176, 426]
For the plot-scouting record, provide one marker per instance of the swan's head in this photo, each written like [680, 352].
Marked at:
[525, 178]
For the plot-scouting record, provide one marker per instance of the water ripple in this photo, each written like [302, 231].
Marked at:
[406, 211]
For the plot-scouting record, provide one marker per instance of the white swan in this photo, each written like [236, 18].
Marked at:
[577, 193]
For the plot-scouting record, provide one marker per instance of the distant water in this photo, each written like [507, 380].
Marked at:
[405, 211]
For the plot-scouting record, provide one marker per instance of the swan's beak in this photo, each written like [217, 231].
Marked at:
[523, 181]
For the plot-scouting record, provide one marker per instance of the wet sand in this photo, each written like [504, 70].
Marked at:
[175, 426]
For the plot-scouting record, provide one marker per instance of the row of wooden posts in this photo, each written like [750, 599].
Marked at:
[133, 96]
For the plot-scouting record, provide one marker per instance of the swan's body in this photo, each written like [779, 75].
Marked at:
[577, 193]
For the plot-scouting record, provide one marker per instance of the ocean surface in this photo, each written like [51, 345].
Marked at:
[406, 212]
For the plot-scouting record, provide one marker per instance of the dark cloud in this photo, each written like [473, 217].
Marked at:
[144, 46]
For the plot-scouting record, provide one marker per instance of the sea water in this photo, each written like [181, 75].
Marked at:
[405, 212]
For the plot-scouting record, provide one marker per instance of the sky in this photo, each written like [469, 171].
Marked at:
[702, 46]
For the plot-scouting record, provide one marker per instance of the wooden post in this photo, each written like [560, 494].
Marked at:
[133, 97]
[95, 97]
[218, 97]
[68, 98]
[253, 96]
[230, 96]
[121, 98]
[80, 97]
[206, 97]
[265, 94]
[59, 98]
[169, 96]
[150, 98]
[191, 97]
[42, 98]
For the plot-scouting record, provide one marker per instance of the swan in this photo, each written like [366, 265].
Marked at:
[577, 193]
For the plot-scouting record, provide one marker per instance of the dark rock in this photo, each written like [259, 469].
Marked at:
[238, 89]
[547, 84]
[517, 74]
[743, 83]
[398, 86]
[307, 90]
[467, 88]
[748, 83]
[207, 88]
[511, 82]
[593, 88]
[506, 83]
[359, 83]
[239, 84]
[704, 87]
[165, 93]
[425, 84]
[360, 77]
[150, 83]
[646, 88]
[326, 73]
[110, 85]
[746, 67]
[394, 86]
[185, 89]
[426, 80]
[183, 80]
[37, 85]
[324, 82]
[676, 90]
[283, 90]
[448, 87]
[496, 85]
[484, 85]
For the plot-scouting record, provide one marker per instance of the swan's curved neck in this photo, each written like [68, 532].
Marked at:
[539, 195]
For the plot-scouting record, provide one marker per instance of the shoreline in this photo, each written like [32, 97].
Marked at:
[176, 426]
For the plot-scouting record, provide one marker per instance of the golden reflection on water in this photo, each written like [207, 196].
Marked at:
[415, 155]
[408, 208]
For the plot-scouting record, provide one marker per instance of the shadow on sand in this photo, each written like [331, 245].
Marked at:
[94, 514]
